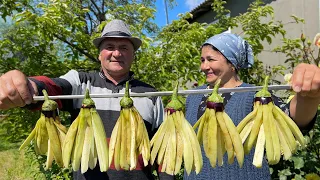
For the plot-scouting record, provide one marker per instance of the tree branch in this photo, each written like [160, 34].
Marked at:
[76, 47]
[95, 5]
[95, 13]
[102, 6]
[91, 23]
[100, 15]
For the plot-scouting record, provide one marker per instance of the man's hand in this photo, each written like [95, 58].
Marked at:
[16, 90]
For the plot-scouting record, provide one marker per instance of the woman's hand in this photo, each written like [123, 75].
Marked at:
[306, 80]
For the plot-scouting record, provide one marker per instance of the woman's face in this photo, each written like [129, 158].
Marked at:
[215, 65]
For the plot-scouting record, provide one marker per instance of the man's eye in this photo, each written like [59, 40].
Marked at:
[109, 48]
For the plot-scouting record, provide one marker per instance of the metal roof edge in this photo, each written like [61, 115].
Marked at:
[203, 4]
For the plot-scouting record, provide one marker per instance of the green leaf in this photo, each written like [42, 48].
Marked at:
[298, 162]
[284, 173]
[298, 177]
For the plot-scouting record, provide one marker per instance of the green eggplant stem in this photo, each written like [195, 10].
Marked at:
[87, 101]
[264, 91]
[175, 103]
[126, 101]
[215, 97]
[45, 94]
[48, 105]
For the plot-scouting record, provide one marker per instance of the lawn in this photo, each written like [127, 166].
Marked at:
[15, 165]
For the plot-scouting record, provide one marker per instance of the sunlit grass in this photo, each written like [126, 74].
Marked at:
[15, 165]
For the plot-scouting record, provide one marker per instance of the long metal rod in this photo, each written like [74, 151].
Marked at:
[168, 93]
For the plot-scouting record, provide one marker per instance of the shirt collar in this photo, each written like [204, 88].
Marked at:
[129, 78]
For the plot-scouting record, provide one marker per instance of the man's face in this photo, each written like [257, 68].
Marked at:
[116, 56]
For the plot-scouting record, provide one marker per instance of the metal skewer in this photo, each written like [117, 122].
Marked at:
[168, 93]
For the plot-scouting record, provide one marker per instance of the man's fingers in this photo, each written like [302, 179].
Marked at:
[5, 102]
[23, 88]
[13, 93]
[14, 90]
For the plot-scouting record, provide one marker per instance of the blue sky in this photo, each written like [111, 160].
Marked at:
[182, 6]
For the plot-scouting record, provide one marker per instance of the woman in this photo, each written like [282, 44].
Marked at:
[222, 56]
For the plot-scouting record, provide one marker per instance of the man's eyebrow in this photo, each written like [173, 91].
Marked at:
[109, 44]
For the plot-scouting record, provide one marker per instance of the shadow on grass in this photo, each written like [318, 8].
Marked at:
[6, 144]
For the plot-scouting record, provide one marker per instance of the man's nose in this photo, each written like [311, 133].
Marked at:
[116, 53]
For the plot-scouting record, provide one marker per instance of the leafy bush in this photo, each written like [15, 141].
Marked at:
[304, 161]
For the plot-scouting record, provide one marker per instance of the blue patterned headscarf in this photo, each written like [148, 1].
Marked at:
[234, 48]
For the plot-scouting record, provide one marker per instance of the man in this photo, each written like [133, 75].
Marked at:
[117, 48]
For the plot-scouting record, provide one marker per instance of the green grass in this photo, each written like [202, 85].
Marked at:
[15, 165]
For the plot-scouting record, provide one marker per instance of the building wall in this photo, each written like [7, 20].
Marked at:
[283, 9]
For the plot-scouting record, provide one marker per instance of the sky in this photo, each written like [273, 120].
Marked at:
[182, 6]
